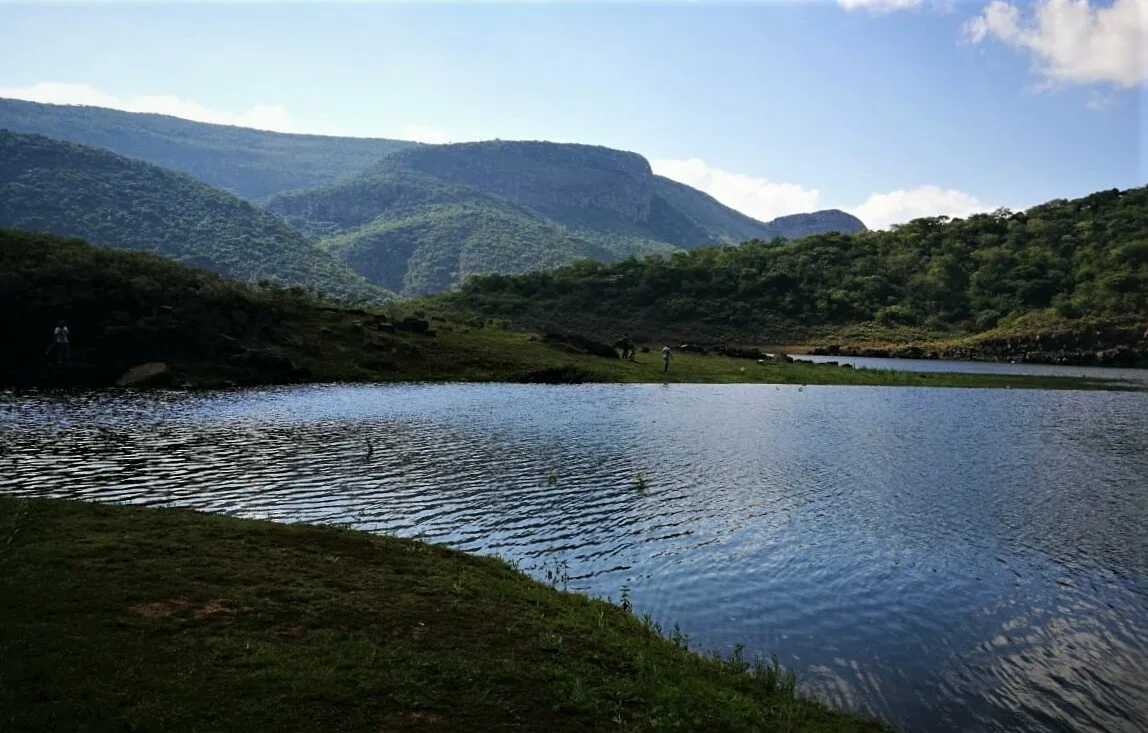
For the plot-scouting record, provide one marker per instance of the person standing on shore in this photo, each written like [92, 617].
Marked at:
[60, 342]
[666, 356]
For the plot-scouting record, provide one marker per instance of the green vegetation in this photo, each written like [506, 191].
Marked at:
[948, 279]
[546, 204]
[124, 618]
[341, 207]
[438, 247]
[433, 234]
[249, 163]
[71, 190]
[424, 219]
[590, 188]
[126, 309]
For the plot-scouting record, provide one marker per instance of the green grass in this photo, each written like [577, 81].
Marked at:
[129, 308]
[120, 618]
[463, 353]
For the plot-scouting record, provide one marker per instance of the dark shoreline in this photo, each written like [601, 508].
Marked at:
[1052, 351]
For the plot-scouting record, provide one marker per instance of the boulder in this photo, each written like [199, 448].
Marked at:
[831, 350]
[264, 366]
[1119, 356]
[553, 375]
[738, 352]
[411, 324]
[151, 373]
[580, 344]
[908, 352]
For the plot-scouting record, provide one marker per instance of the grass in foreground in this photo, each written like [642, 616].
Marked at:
[120, 618]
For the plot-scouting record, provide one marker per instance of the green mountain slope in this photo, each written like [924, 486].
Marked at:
[1073, 259]
[72, 190]
[340, 207]
[437, 247]
[723, 225]
[596, 189]
[249, 163]
[607, 201]
[555, 204]
[431, 234]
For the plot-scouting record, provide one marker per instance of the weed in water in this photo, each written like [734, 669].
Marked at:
[680, 640]
[557, 576]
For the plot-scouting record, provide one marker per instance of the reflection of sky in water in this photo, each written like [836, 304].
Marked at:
[951, 559]
[984, 367]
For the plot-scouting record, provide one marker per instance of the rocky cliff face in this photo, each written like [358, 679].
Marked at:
[556, 180]
[796, 226]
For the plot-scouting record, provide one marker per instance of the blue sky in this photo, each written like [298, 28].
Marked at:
[887, 108]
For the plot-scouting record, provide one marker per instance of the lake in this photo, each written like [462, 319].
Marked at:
[1133, 376]
[951, 560]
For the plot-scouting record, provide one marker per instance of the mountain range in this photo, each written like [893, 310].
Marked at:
[74, 190]
[330, 211]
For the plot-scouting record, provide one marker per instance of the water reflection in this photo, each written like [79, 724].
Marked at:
[953, 560]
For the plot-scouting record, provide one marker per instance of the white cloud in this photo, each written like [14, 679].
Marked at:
[260, 116]
[765, 200]
[756, 197]
[271, 117]
[1073, 41]
[882, 210]
[879, 6]
[1098, 101]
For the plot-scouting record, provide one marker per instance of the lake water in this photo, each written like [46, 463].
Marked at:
[1135, 376]
[951, 560]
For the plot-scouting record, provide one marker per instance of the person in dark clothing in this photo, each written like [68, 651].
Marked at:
[60, 342]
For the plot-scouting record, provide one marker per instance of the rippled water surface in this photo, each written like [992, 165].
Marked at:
[951, 560]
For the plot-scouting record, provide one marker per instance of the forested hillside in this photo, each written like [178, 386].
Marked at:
[437, 247]
[591, 188]
[422, 220]
[1085, 257]
[73, 190]
[249, 163]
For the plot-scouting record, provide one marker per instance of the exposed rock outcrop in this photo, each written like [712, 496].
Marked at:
[150, 374]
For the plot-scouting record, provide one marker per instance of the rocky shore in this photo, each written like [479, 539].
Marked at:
[1106, 348]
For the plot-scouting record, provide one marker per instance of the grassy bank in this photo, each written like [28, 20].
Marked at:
[126, 309]
[494, 355]
[120, 618]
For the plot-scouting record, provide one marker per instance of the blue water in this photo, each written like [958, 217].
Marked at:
[950, 560]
